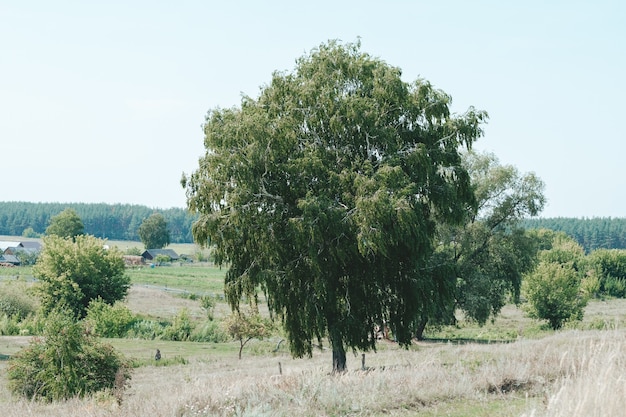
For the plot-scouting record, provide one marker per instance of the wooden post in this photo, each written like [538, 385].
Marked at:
[280, 368]
[362, 361]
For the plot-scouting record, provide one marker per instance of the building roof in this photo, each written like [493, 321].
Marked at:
[8, 244]
[31, 244]
[153, 253]
[11, 259]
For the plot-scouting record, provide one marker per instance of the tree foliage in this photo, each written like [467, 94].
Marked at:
[66, 224]
[106, 221]
[68, 361]
[244, 327]
[609, 265]
[153, 232]
[479, 263]
[591, 233]
[326, 190]
[73, 273]
[554, 289]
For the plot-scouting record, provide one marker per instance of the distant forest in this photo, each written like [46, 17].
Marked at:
[121, 221]
[107, 221]
[594, 233]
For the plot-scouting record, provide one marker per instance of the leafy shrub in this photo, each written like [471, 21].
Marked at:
[9, 325]
[554, 294]
[615, 287]
[211, 332]
[181, 327]
[66, 362]
[147, 330]
[207, 302]
[135, 251]
[109, 320]
[15, 302]
[162, 259]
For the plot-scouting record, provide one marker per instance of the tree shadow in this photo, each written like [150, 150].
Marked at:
[466, 341]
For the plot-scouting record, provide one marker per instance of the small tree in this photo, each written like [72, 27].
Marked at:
[554, 294]
[73, 273]
[68, 361]
[30, 232]
[66, 224]
[245, 327]
[153, 232]
[554, 289]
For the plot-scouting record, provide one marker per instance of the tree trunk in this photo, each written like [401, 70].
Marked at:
[339, 358]
[339, 353]
[421, 325]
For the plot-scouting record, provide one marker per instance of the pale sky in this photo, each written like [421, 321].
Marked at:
[103, 101]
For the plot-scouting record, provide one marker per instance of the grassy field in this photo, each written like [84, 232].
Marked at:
[512, 366]
[571, 373]
[193, 278]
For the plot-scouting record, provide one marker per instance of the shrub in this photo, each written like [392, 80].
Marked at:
[147, 329]
[109, 320]
[211, 332]
[66, 362]
[15, 302]
[554, 294]
[207, 302]
[9, 325]
[135, 251]
[615, 287]
[181, 327]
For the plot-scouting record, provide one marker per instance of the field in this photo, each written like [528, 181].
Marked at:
[511, 367]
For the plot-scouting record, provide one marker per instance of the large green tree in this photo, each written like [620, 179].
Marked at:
[153, 232]
[479, 264]
[325, 191]
[66, 224]
[73, 273]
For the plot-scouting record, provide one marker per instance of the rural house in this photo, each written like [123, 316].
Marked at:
[151, 254]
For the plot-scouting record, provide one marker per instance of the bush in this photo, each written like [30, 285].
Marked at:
[554, 294]
[135, 251]
[109, 320]
[615, 287]
[66, 362]
[147, 330]
[207, 302]
[14, 301]
[9, 325]
[180, 329]
[211, 332]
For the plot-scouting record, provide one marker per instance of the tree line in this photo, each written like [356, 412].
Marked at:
[590, 233]
[107, 221]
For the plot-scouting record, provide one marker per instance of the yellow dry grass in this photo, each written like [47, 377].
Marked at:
[547, 377]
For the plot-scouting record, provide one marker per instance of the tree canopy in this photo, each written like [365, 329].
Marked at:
[153, 232]
[480, 262]
[66, 224]
[325, 192]
[73, 273]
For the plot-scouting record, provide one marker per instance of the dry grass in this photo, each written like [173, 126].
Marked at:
[537, 377]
